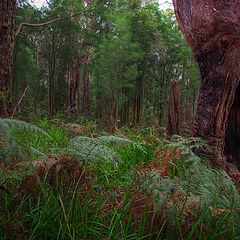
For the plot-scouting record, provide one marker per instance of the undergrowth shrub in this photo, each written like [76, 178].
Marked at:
[192, 198]
[112, 149]
[114, 187]
[22, 141]
[10, 147]
[41, 144]
[93, 208]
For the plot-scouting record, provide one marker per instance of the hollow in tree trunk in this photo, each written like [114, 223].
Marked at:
[173, 124]
[7, 35]
[212, 31]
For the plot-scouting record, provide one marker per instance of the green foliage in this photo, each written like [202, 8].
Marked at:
[9, 147]
[195, 196]
[135, 51]
[55, 137]
[72, 211]
[194, 201]
[102, 149]
[22, 141]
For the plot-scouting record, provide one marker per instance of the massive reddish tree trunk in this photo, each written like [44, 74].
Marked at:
[7, 35]
[212, 30]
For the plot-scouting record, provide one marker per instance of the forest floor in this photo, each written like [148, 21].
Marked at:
[72, 181]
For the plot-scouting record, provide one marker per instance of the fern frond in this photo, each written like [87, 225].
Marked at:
[92, 149]
[100, 148]
[9, 148]
[198, 189]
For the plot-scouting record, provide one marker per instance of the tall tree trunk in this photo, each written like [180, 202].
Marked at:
[138, 105]
[113, 112]
[52, 69]
[79, 74]
[138, 101]
[7, 36]
[86, 73]
[73, 83]
[212, 31]
[173, 124]
[125, 120]
[85, 79]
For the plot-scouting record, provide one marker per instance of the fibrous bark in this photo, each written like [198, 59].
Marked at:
[173, 124]
[74, 82]
[7, 35]
[211, 28]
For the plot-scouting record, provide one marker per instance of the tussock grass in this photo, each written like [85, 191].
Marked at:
[130, 186]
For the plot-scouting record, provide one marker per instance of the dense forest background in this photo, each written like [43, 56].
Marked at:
[107, 62]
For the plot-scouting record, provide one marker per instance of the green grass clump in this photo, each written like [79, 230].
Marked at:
[22, 141]
[44, 143]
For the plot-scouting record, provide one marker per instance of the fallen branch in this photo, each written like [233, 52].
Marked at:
[25, 24]
[19, 102]
[36, 24]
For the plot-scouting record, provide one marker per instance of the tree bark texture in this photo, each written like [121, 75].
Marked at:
[7, 36]
[173, 124]
[86, 60]
[73, 83]
[138, 104]
[51, 77]
[86, 98]
[74, 77]
[211, 28]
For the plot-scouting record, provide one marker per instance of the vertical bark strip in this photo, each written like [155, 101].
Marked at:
[212, 31]
[51, 77]
[7, 35]
[86, 92]
[86, 98]
[86, 80]
[73, 83]
[173, 124]
[74, 77]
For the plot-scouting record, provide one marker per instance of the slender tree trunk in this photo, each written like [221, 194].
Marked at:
[173, 124]
[86, 73]
[73, 83]
[104, 108]
[138, 106]
[125, 110]
[52, 69]
[161, 98]
[212, 31]
[37, 86]
[7, 36]
[86, 91]
[137, 109]
[98, 99]
[113, 112]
